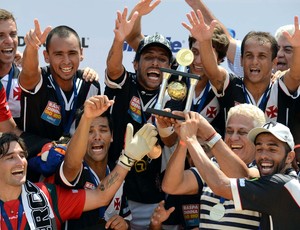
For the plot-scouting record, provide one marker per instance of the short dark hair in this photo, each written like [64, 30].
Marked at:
[6, 139]
[62, 32]
[220, 42]
[263, 37]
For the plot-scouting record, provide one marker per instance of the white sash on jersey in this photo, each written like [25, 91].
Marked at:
[38, 216]
[114, 207]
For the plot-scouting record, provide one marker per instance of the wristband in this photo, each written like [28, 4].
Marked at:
[213, 140]
[210, 137]
[125, 161]
[165, 132]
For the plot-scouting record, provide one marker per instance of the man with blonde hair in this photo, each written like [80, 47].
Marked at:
[215, 211]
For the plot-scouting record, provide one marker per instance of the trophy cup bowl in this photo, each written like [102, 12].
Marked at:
[176, 89]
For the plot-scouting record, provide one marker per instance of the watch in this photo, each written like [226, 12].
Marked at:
[213, 140]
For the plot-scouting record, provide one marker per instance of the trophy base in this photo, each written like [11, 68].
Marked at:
[164, 113]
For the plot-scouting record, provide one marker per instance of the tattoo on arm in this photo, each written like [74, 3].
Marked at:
[112, 178]
[102, 187]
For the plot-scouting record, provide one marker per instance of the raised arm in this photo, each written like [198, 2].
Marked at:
[203, 33]
[31, 73]
[199, 5]
[114, 60]
[136, 147]
[208, 18]
[93, 107]
[211, 174]
[177, 180]
[143, 7]
[228, 161]
[292, 76]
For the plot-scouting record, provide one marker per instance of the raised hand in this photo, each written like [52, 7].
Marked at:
[294, 39]
[123, 26]
[194, 122]
[96, 105]
[198, 29]
[189, 128]
[35, 37]
[137, 146]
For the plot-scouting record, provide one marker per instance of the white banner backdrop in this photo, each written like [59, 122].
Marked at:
[94, 21]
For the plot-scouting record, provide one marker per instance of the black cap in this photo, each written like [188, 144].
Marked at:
[154, 40]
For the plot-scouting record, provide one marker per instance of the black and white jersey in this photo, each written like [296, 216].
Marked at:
[277, 197]
[230, 217]
[45, 114]
[277, 102]
[143, 182]
[88, 179]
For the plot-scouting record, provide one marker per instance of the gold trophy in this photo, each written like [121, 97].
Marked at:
[177, 89]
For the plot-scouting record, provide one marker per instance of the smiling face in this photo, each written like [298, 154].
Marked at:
[64, 56]
[8, 41]
[271, 156]
[147, 68]
[238, 127]
[99, 141]
[13, 166]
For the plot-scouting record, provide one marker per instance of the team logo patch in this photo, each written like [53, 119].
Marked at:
[135, 109]
[52, 113]
[272, 111]
[211, 112]
[117, 203]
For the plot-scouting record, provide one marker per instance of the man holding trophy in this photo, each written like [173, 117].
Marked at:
[201, 97]
[133, 93]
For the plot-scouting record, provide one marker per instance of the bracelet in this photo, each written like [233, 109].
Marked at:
[211, 136]
[182, 143]
[297, 146]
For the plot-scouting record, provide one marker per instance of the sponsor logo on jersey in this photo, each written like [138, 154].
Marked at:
[52, 113]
